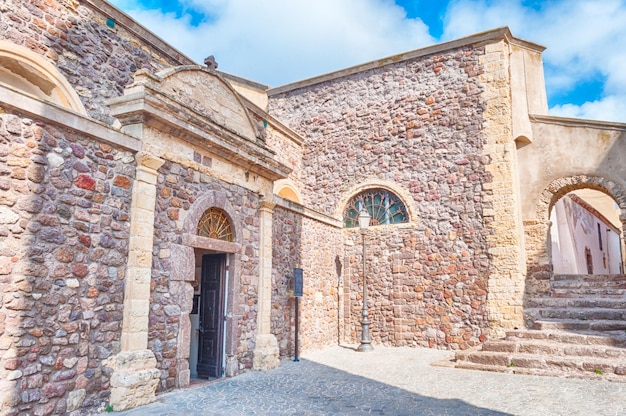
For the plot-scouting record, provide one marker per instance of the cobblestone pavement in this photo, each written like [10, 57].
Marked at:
[388, 381]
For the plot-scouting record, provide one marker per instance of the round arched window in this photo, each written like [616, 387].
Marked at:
[215, 224]
[384, 207]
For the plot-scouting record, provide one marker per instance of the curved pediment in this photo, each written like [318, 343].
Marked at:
[193, 105]
[208, 94]
[26, 71]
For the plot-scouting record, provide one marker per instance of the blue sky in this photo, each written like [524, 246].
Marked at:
[275, 42]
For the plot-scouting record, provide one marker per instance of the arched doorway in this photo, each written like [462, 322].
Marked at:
[211, 229]
[208, 342]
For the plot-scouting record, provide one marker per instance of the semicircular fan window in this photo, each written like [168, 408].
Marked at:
[384, 207]
[215, 224]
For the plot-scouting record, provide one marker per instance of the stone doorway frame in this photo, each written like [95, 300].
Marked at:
[183, 273]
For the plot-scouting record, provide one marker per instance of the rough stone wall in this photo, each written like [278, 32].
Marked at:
[97, 60]
[287, 151]
[286, 254]
[317, 248]
[177, 188]
[322, 251]
[64, 227]
[417, 124]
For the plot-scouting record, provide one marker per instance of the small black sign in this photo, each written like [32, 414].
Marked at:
[297, 282]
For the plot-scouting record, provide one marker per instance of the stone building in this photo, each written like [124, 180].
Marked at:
[152, 210]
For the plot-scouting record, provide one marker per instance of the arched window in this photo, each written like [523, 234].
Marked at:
[215, 224]
[384, 207]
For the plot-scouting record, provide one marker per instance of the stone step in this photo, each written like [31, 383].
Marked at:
[613, 338]
[580, 325]
[590, 277]
[578, 284]
[578, 302]
[540, 372]
[582, 314]
[556, 364]
[544, 348]
[576, 292]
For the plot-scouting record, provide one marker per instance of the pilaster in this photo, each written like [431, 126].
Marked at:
[266, 353]
[135, 377]
[505, 286]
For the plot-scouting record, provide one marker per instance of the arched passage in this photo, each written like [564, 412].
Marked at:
[537, 232]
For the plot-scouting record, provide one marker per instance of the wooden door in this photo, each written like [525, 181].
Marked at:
[211, 316]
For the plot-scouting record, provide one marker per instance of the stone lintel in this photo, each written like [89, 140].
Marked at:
[197, 241]
[266, 354]
[307, 212]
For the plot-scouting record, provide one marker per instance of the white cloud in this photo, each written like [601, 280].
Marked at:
[283, 40]
[280, 41]
[610, 108]
[585, 41]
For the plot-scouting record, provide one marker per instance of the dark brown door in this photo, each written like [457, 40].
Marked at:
[211, 316]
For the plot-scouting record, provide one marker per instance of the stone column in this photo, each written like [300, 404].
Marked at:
[135, 377]
[266, 355]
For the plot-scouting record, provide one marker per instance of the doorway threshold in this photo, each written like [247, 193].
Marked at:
[199, 382]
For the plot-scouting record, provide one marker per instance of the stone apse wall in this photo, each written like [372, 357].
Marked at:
[416, 125]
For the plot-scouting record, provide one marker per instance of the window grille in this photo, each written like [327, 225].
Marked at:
[384, 207]
[215, 224]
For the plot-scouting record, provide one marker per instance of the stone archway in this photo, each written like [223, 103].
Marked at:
[537, 231]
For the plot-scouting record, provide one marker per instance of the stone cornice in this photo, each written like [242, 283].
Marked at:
[307, 212]
[147, 105]
[273, 121]
[576, 122]
[147, 37]
[62, 117]
[490, 35]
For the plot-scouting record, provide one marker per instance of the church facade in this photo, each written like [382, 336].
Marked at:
[153, 210]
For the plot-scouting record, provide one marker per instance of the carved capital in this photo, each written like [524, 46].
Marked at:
[149, 161]
[267, 205]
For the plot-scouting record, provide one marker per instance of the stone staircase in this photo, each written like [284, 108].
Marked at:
[578, 330]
